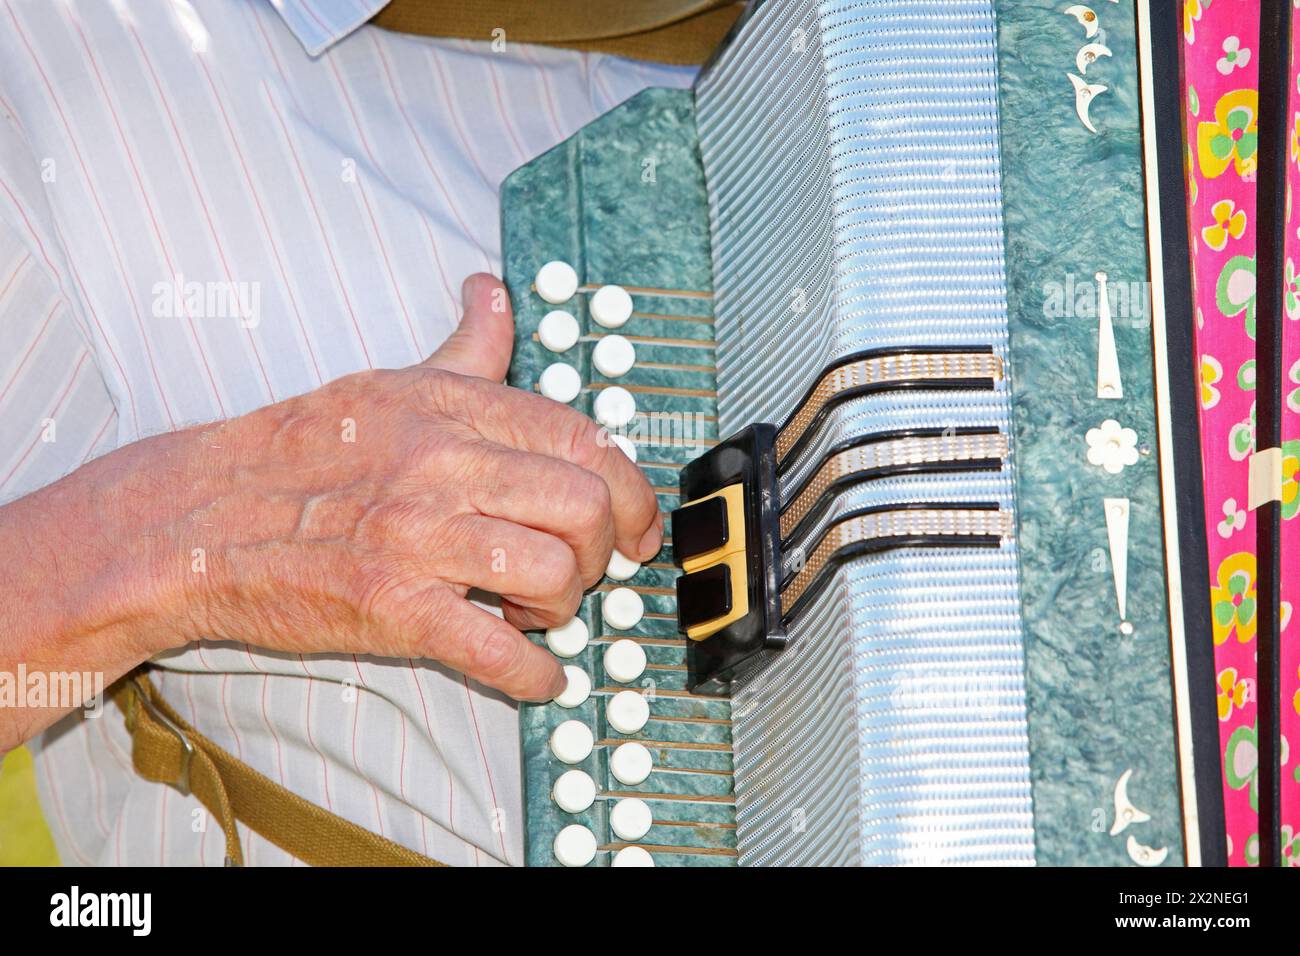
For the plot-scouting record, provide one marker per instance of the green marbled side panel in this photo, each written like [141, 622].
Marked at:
[1099, 701]
[642, 187]
[593, 202]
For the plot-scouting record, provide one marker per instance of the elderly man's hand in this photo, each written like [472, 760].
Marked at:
[363, 511]
[354, 518]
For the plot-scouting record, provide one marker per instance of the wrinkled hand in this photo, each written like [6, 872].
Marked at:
[361, 513]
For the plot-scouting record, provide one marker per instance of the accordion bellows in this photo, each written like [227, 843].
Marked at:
[855, 203]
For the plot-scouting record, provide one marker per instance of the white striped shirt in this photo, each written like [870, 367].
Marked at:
[344, 180]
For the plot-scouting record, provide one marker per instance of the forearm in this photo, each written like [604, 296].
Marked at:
[95, 573]
[351, 519]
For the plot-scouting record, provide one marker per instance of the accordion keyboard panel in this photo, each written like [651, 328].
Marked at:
[623, 202]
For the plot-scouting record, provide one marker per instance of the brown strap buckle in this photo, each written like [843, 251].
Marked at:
[142, 695]
[233, 791]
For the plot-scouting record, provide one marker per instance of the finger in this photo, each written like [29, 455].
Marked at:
[536, 573]
[482, 343]
[529, 619]
[549, 495]
[483, 646]
[531, 423]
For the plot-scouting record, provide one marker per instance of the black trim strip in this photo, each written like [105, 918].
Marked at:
[1270, 237]
[1184, 415]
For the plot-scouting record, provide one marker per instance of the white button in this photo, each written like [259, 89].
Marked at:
[574, 791]
[613, 356]
[558, 330]
[627, 712]
[577, 690]
[571, 742]
[568, 640]
[610, 305]
[560, 382]
[624, 661]
[556, 282]
[631, 763]
[626, 444]
[633, 856]
[614, 406]
[621, 567]
[575, 845]
[622, 608]
[630, 819]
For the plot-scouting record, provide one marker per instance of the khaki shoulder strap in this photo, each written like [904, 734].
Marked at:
[667, 31]
[167, 750]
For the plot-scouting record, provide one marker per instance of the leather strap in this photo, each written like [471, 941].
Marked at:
[167, 750]
[667, 31]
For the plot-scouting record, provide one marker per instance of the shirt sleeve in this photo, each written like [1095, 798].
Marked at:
[55, 410]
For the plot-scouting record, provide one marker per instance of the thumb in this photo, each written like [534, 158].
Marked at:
[482, 343]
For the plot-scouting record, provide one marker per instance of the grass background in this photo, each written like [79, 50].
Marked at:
[24, 838]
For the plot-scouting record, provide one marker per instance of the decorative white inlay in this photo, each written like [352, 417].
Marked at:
[1086, 17]
[1084, 92]
[1125, 812]
[1117, 535]
[1088, 54]
[1108, 380]
[1144, 855]
[1112, 446]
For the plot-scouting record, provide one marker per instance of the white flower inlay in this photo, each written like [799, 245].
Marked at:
[1112, 446]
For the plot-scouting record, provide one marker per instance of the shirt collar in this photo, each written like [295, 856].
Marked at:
[319, 24]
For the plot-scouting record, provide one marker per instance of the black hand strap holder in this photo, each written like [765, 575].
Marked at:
[749, 458]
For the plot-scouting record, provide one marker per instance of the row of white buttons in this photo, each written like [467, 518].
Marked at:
[575, 791]
[575, 845]
[622, 608]
[624, 662]
[610, 305]
[613, 356]
[614, 406]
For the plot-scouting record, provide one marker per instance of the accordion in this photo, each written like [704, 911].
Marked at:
[911, 360]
